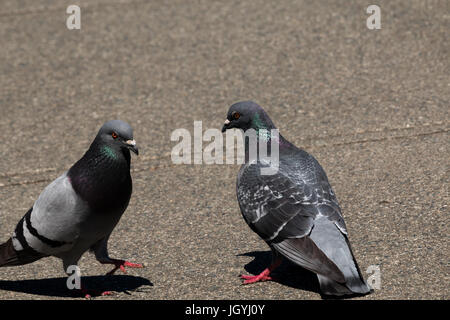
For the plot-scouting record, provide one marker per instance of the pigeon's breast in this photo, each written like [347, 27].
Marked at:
[106, 190]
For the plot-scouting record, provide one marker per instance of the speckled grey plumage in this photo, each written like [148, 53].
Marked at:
[296, 210]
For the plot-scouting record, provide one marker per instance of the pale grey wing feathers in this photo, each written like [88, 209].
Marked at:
[274, 208]
[56, 215]
[304, 252]
[288, 210]
[272, 204]
[319, 196]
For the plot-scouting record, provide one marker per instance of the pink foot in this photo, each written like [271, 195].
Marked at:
[263, 276]
[121, 264]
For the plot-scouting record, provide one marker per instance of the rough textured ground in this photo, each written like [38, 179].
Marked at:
[372, 106]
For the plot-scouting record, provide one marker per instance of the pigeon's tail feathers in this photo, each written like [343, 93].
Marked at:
[332, 288]
[336, 246]
[8, 255]
[11, 257]
[353, 286]
[355, 281]
[304, 252]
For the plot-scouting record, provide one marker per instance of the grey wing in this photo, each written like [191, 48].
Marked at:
[272, 204]
[285, 204]
[51, 226]
[320, 197]
[282, 211]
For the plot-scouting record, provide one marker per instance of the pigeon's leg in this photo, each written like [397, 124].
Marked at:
[121, 264]
[71, 260]
[101, 254]
[263, 276]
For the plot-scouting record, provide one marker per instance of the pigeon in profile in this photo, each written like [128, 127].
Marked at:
[293, 209]
[79, 210]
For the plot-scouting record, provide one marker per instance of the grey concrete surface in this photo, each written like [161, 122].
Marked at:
[371, 105]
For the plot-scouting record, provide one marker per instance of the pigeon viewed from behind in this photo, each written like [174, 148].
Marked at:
[79, 210]
[294, 210]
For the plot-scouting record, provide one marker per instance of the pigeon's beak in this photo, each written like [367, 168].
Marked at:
[226, 125]
[131, 144]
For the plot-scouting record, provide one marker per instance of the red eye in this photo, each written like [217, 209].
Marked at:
[236, 115]
[114, 135]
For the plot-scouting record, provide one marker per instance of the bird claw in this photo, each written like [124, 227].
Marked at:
[121, 264]
[252, 279]
[264, 275]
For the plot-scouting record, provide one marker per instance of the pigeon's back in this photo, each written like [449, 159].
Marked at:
[296, 212]
[299, 180]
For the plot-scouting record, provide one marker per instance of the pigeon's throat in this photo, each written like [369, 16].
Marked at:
[109, 152]
[258, 123]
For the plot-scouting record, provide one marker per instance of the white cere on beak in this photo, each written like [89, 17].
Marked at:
[131, 142]
[226, 122]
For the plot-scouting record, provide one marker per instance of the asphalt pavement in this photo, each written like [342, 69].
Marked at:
[371, 105]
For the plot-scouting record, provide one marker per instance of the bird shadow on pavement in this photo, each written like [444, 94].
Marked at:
[56, 287]
[287, 273]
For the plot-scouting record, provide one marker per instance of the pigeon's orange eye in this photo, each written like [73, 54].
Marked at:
[114, 135]
[236, 115]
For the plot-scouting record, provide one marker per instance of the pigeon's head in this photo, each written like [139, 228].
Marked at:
[118, 134]
[247, 115]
